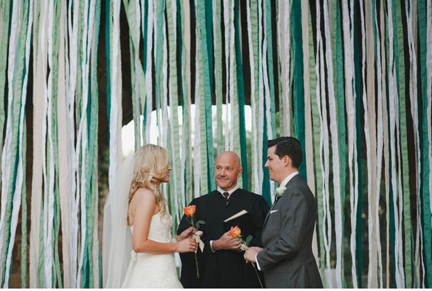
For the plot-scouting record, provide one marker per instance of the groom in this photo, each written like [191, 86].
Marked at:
[287, 259]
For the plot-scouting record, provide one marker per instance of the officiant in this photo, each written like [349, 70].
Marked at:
[221, 264]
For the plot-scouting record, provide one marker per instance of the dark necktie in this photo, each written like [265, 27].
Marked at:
[226, 194]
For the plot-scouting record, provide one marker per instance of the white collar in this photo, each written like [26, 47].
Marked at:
[287, 179]
[221, 191]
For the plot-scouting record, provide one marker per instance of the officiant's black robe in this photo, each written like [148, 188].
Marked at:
[224, 268]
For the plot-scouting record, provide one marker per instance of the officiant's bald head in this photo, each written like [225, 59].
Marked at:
[227, 170]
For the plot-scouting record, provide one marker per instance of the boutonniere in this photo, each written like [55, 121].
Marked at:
[279, 191]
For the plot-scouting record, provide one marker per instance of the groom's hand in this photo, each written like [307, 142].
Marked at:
[226, 242]
[250, 254]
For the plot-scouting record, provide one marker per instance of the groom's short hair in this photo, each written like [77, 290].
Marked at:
[287, 146]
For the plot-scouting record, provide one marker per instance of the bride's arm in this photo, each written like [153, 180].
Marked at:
[144, 206]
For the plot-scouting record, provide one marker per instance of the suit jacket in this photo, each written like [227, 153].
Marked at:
[287, 259]
[224, 268]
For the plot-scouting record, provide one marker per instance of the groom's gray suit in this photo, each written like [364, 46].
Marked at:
[287, 259]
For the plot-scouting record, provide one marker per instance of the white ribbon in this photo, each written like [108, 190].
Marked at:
[149, 82]
[7, 152]
[429, 91]
[324, 142]
[19, 178]
[400, 280]
[197, 238]
[197, 135]
[252, 53]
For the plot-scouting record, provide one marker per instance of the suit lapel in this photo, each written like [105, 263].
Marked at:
[276, 201]
[268, 214]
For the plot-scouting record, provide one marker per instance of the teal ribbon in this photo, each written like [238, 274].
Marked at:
[241, 98]
[24, 216]
[266, 192]
[298, 91]
[108, 20]
[358, 105]
[424, 144]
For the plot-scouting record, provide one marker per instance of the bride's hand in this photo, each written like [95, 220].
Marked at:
[185, 234]
[186, 245]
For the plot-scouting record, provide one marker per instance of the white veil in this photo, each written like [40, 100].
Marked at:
[117, 238]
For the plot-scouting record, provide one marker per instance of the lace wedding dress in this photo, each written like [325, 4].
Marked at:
[153, 270]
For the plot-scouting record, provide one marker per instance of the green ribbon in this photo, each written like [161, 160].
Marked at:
[400, 72]
[174, 106]
[55, 68]
[91, 163]
[338, 82]
[298, 91]
[268, 20]
[18, 74]
[5, 5]
[159, 44]
[202, 99]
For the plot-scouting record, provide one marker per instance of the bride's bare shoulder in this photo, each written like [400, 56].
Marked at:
[144, 195]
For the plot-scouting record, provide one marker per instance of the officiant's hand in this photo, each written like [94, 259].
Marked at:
[186, 246]
[226, 242]
[186, 233]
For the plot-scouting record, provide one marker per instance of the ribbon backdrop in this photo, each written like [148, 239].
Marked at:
[352, 80]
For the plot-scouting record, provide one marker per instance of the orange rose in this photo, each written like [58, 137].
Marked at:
[190, 210]
[235, 232]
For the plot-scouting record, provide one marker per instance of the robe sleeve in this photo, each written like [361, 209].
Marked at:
[260, 211]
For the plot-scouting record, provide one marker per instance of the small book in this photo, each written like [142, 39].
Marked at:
[243, 212]
[243, 220]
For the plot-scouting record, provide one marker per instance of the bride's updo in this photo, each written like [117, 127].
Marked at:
[150, 167]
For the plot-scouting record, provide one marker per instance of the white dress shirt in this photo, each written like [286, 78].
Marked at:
[221, 191]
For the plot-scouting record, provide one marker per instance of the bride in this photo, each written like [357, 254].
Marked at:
[151, 262]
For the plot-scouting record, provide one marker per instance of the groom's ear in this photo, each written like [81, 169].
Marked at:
[286, 160]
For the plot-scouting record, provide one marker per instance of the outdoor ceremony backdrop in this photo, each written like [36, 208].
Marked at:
[352, 80]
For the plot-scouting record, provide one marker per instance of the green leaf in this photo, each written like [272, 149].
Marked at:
[248, 239]
[200, 222]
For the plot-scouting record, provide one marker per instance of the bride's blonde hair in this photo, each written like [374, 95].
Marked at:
[150, 167]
